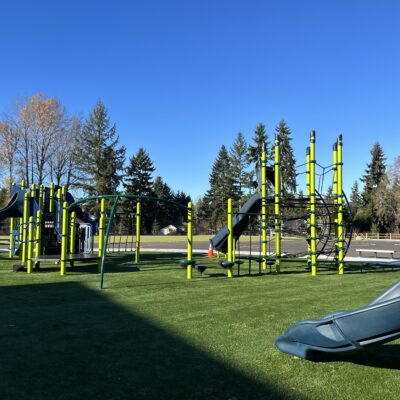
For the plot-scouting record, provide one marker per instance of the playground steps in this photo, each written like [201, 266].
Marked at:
[51, 243]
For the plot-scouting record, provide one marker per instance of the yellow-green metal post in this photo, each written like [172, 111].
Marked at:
[21, 232]
[10, 253]
[335, 197]
[313, 221]
[189, 239]
[277, 211]
[230, 237]
[25, 221]
[340, 238]
[38, 238]
[64, 193]
[72, 233]
[308, 191]
[29, 263]
[64, 238]
[264, 209]
[102, 227]
[137, 242]
[41, 196]
[23, 187]
[59, 196]
[51, 199]
[33, 191]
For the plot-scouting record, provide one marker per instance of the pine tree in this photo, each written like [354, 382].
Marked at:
[374, 173]
[163, 212]
[99, 159]
[221, 189]
[329, 195]
[138, 182]
[356, 200]
[239, 164]
[288, 161]
[260, 140]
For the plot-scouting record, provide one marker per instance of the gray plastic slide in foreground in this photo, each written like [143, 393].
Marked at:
[342, 331]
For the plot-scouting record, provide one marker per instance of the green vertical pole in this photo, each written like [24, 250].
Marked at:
[22, 186]
[313, 221]
[308, 192]
[277, 197]
[72, 233]
[340, 206]
[230, 236]
[25, 222]
[137, 241]
[38, 239]
[31, 224]
[64, 238]
[10, 253]
[264, 209]
[107, 233]
[189, 239]
[51, 199]
[102, 223]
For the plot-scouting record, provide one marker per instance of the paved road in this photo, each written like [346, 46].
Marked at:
[293, 247]
[288, 246]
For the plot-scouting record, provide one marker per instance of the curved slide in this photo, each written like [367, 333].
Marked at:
[240, 222]
[15, 207]
[343, 331]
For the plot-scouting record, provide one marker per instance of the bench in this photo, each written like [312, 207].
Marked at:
[376, 252]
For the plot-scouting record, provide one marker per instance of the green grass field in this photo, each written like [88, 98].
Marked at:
[151, 334]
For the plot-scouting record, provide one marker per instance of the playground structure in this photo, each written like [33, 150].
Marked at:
[36, 226]
[327, 221]
[48, 225]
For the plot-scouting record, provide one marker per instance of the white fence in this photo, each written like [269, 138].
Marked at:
[376, 236]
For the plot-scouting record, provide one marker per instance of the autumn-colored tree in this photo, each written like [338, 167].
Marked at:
[9, 142]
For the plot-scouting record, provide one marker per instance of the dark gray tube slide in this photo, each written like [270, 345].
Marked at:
[343, 331]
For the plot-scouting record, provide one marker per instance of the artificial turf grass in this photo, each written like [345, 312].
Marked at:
[153, 334]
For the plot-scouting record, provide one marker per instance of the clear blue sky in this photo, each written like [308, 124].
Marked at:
[180, 78]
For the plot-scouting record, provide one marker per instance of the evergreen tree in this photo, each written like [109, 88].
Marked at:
[374, 173]
[163, 211]
[138, 181]
[356, 200]
[260, 140]
[98, 157]
[384, 206]
[180, 213]
[221, 189]
[239, 164]
[329, 195]
[288, 161]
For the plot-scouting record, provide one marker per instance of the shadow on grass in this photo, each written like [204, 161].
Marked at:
[65, 341]
[380, 356]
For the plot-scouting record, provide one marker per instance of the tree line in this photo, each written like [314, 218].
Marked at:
[41, 142]
[376, 208]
